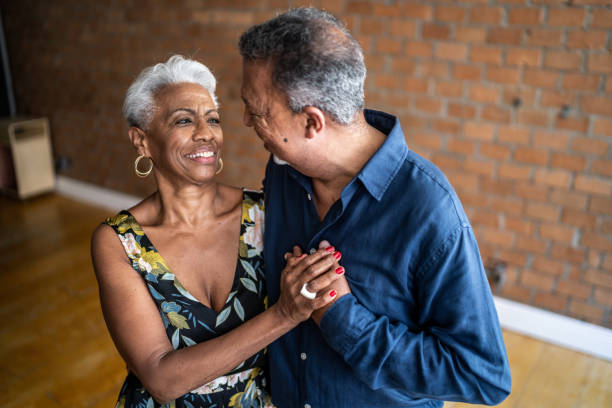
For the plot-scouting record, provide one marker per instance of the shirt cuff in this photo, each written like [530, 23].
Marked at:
[344, 322]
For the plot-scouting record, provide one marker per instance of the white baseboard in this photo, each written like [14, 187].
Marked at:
[555, 328]
[93, 194]
[516, 317]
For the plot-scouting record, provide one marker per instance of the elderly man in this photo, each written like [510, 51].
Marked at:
[418, 325]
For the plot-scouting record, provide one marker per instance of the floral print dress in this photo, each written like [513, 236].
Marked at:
[188, 322]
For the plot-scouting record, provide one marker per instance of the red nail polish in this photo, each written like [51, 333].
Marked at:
[301, 256]
[337, 255]
[330, 249]
[340, 270]
[332, 293]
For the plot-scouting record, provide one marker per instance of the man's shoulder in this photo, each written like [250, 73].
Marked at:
[415, 173]
[427, 173]
[422, 184]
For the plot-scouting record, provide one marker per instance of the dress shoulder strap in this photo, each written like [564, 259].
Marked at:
[254, 197]
[123, 223]
[131, 235]
[252, 224]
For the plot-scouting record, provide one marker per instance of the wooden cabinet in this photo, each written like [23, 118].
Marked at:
[26, 161]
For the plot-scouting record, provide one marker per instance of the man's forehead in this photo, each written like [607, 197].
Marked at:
[247, 94]
[256, 81]
[257, 70]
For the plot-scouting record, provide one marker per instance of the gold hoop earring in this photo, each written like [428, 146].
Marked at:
[139, 173]
[220, 166]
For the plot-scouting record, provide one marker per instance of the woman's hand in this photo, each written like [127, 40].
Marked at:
[340, 286]
[318, 271]
[330, 282]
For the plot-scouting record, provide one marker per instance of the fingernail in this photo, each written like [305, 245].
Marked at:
[301, 256]
[332, 293]
[330, 249]
[337, 255]
[340, 270]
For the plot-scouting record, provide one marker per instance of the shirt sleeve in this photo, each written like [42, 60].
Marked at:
[457, 353]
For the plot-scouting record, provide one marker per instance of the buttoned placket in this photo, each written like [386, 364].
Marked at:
[330, 219]
[302, 368]
[335, 212]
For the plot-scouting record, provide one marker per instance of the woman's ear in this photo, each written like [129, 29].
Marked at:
[315, 121]
[138, 138]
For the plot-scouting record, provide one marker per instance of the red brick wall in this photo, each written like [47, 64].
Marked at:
[511, 98]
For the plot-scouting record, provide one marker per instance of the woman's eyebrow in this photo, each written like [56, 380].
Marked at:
[183, 109]
[193, 112]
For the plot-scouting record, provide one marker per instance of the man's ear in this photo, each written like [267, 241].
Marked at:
[138, 138]
[315, 121]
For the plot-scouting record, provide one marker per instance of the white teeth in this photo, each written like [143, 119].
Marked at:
[201, 154]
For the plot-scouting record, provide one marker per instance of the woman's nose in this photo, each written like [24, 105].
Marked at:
[202, 133]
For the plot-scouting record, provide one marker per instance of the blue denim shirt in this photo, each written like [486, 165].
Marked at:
[420, 325]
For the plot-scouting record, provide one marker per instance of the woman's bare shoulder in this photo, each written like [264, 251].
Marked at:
[104, 240]
[228, 190]
[146, 211]
[232, 196]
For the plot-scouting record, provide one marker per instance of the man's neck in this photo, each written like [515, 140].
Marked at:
[352, 147]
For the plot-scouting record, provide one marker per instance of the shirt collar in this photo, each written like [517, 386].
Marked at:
[382, 167]
[380, 170]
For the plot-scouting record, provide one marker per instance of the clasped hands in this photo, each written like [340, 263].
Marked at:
[311, 283]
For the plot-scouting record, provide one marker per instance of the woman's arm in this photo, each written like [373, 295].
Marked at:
[134, 323]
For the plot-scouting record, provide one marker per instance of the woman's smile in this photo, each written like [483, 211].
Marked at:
[203, 156]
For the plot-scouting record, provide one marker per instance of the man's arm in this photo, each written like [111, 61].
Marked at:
[457, 353]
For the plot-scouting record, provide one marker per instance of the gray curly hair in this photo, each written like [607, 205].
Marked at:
[139, 104]
[316, 62]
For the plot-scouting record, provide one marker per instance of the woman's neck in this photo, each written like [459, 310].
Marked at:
[188, 206]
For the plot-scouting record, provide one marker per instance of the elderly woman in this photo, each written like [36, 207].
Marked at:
[180, 274]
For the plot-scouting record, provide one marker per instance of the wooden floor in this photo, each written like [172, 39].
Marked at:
[55, 350]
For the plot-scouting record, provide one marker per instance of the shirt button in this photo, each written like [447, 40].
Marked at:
[307, 406]
[303, 356]
[309, 197]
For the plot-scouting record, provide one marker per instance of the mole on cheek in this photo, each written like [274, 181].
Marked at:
[285, 140]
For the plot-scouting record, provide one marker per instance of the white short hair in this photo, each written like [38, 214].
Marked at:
[139, 104]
